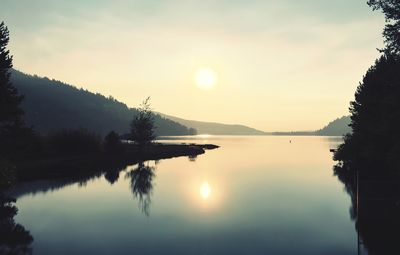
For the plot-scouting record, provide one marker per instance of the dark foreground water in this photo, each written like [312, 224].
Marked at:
[254, 195]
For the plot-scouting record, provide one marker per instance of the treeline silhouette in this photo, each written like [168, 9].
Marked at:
[375, 112]
[71, 153]
[369, 159]
[53, 105]
[14, 239]
[375, 120]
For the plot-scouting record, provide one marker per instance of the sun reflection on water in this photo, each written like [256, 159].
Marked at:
[205, 190]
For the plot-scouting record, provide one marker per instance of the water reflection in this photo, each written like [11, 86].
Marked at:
[205, 190]
[79, 175]
[14, 238]
[141, 183]
[192, 158]
[375, 209]
[254, 196]
[112, 176]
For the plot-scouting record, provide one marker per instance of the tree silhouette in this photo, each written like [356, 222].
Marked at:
[142, 126]
[391, 9]
[74, 142]
[375, 119]
[15, 138]
[112, 143]
[10, 111]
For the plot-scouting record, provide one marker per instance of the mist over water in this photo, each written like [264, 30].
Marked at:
[253, 195]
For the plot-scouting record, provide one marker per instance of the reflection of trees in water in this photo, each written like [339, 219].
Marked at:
[375, 209]
[14, 239]
[141, 182]
[112, 176]
[192, 158]
[111, 172]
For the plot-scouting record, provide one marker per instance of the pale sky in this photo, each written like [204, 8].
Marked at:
[281, 65]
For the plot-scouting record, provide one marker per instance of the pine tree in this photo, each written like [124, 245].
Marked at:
[16, 140]
[375, 141]
[391, 9]
[10, 111]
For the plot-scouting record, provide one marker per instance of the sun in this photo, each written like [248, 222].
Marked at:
[205, 78]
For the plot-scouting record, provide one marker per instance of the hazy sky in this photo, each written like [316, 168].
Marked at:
[281, 65]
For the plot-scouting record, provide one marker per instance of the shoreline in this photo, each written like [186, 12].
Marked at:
[78, 166]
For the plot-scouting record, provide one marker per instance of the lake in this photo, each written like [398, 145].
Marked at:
[253, 195]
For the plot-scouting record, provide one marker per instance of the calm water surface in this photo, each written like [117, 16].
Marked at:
[254, 195]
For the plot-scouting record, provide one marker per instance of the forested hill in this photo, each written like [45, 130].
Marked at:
[337, 127]
[213, 128]
[53, 105]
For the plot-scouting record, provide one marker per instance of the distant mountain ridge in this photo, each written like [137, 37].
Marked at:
[338, 127]
[213, 128]
[53, 105]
